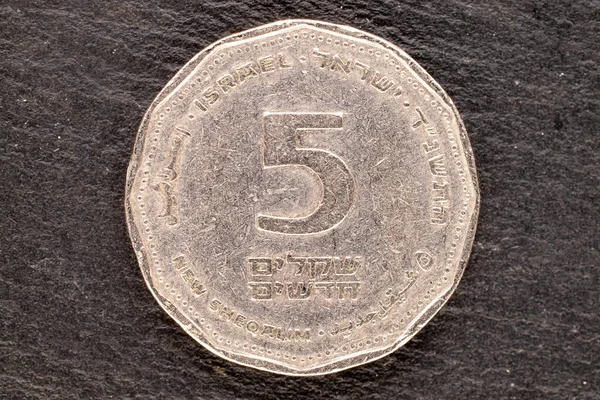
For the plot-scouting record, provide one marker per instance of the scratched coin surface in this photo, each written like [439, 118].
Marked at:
[302, 197]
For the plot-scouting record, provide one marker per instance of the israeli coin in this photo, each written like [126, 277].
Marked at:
[302, 197]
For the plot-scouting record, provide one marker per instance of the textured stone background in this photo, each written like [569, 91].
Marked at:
[76, 319]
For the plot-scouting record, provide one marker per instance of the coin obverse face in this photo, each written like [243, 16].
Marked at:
[302, 197]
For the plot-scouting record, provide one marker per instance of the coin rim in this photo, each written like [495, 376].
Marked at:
[351, 360]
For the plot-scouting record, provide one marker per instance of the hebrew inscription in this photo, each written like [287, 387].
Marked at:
[440, 202]
[331, 278]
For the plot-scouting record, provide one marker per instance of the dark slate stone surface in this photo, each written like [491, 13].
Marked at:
[76, 320]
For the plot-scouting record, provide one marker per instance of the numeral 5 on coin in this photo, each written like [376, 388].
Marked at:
[282, 147]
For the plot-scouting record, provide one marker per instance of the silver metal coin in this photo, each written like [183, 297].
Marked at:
[302, 197]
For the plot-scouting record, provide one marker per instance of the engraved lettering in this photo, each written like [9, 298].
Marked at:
[381, 82]
[422, 120]
[246, 71]
[261, 290]
[200, 105]
[437, 165]
[438, 214]
[264, 266]
[226, 313]
[226, 82]
[281, 335]
[240, 320]
[252, 327]
[269, 330]
[348, 290]
[215, 305]
[347, 266]
[366, 70]
[167, 191]
[366, 319]
[176, 149]
[187, 276]
[299, 291]
[181, 265]
[267, 64]
[211, 95]
[327, 288]
[391, 302]
[197, 287]
[278, 288]
[324, 274]
[320, 265]
[298, 262]
[342, 329]
[424, 260]
[313, 265]
[167, 188]
[324, 57]
[283, 63]
[431, 130]
[340, 64]
[440, 191]
[300, 336]
[256, 327]
[430, 145]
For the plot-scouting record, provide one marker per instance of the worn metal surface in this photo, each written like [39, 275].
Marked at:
[302, 197]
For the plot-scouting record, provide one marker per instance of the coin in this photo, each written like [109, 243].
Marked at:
[302, 197]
